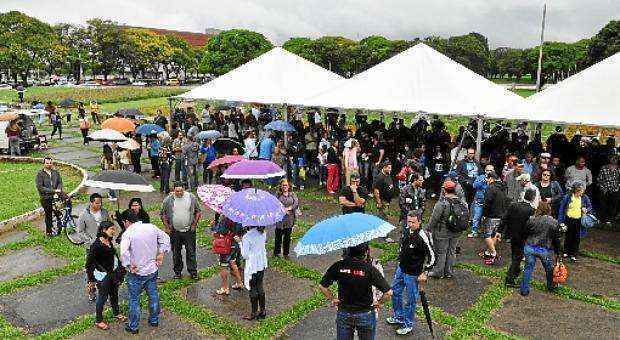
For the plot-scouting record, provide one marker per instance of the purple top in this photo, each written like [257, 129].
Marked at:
[140, 245]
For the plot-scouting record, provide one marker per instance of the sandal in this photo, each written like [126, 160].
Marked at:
[237, 286]
[120, 318]
[222, 291]
[102, 325]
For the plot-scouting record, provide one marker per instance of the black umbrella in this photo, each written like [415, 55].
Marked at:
[226, 145]
[427, 311]
[67, 102]
[129, 112]
[119, 180]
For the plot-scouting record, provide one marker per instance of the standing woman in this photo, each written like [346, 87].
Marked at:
[13, 133]
[84, 127]
[104, 270]
[255, 255]
[550, 191]
[285, 227]
[574, 205]
[349, 158]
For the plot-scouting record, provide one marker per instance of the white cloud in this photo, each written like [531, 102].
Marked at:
[504, 22]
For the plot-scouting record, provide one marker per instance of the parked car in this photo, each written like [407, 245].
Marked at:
[138, 83]
[173, 82]
[5, 86]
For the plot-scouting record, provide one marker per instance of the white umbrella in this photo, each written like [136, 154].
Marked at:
[107, 135]
[129, 144]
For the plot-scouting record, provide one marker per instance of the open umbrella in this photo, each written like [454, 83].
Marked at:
[107, 135]
[8, 116]
[119, 180]
[129, 112]
[129, 144]
[427, 311]
[214, 195]
[67, 102]
[209, 134]
[253, 207]
[119, 124]
[260, 169]
[226, 145]
[280, 125]
[341, 232]
[226, 160]
[149, 129]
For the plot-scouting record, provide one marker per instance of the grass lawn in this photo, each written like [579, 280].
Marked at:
[18, 192]
[147, 106]
[524, 92]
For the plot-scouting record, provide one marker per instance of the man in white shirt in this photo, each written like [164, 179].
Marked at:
[143, 246]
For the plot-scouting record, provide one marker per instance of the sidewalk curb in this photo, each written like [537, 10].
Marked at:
[10, 223]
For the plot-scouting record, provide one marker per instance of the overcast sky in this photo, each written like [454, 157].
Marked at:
[504, 22]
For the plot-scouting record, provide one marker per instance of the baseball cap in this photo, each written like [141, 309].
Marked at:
[545, 155]
[524, 178]
[493, 175]
[449, 185]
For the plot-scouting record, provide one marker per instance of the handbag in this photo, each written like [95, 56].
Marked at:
[560, 273]
[587, 221]
[222, 243]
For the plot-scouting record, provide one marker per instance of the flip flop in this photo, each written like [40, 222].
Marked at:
[102, 325]
[120, 318]
[222, 291]
[236, 287]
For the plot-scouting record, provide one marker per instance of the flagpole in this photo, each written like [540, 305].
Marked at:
[540, 52]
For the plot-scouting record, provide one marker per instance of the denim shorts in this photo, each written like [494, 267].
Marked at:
[226, 259]
[489, 228]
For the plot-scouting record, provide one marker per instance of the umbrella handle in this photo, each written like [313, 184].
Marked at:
[421, 285]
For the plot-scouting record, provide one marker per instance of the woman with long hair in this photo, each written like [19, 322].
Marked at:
[104, 271]
[285, 227]
[255, 255]
[574, 205]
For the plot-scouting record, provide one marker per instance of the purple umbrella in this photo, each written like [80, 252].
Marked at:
[213, 195]
[253, 207]
[260, 169]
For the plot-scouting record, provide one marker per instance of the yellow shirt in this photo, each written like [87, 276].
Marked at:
[574, 207]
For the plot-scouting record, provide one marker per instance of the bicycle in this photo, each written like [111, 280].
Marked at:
[63, 219]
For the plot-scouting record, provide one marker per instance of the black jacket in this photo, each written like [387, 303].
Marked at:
[415, 250]
[543, 231]
[495, 201]
[101, 258]
[514, 221]
[47, 184]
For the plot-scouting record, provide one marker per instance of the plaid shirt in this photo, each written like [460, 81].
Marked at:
[609, 179]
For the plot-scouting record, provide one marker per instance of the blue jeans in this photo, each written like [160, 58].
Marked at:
[476, 215]
[365, 323]
[401, 282]
[135, 285]
[531, 254]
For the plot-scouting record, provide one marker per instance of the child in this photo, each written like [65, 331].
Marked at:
[322, 157]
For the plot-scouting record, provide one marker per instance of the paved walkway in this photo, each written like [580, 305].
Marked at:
[42, 289]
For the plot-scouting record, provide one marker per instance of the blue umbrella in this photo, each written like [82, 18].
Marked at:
[149, 129]
[280, 125]
[341, 232]
[253, 207]
[209, 134]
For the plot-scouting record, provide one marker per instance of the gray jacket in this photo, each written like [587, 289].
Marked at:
[167, 209]
[88, 226]
[513, 188]
[437, 223]
[47, 184]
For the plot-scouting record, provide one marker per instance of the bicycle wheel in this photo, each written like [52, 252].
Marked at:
[56, 222]
[71, 231]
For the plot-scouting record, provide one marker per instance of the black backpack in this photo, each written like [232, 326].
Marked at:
[458, 216]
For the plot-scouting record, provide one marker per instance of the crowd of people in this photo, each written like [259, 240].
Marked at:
[518, 188]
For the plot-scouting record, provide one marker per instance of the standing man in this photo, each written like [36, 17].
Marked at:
[143, 246]
[49, 183]
[578, 173]
[180, 214]
[179, 160]
[265, 148]
[355, 277]
[207, 154]
[514, 226]
[467, 171]
[493, 209]
[190, 153]
[353, 197]
[20, 93]
[609, 186]
[94, 112]
[383, 189]
[153, 149]
[412, 198]
[480, 187]
[513, 188]
[89, 220]
[416, 257]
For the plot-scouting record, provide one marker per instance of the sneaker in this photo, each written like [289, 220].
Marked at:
[389, 240]
[393, 321]
[177, 276]
[472, 235]
[573, 259]
[154, 324]
[129, 330]
[564, 255]
[404, 330]
[524, 293]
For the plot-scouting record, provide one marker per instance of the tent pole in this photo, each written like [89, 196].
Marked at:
[170, 99]
[480, 122]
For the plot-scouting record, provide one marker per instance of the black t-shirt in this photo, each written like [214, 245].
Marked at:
[332, 156]
[385, 185]
[375, 152]
[347, 193]
[355, 281]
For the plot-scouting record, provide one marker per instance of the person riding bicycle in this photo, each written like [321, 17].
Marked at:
[49, 184]
[89, 220]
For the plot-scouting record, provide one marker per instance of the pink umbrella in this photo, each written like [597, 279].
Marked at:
[226, 160]
[213, 195]
[251, 169]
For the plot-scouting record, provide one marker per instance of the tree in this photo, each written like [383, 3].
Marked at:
[438, 43]
[510, 62]
[337, 54]
[181, 55]
[24, 41]
[373, 50]
[559, 59]
[303, 47]
[105, 39]
[605, 43]
[231, 49]
[471, 51]
[76, 44]
[145, 51]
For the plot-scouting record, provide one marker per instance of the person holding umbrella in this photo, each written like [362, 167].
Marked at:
[416, 258]
[355, 278]
[253, 251]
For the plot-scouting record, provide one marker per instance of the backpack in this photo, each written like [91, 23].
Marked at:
[458, 217]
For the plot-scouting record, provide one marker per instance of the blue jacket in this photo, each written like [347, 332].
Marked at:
[480, 185]
[585, 203]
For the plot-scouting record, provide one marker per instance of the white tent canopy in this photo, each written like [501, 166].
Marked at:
[418, 79]
[591, 97]
[276, 77]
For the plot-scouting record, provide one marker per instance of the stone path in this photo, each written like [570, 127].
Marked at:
[42, 288]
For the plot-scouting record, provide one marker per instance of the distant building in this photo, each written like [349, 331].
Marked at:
[193, 38]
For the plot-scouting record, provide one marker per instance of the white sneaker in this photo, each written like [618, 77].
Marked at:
[393, 321]
[404, 330]
[472, 235]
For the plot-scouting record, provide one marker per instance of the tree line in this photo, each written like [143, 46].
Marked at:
[103, 47]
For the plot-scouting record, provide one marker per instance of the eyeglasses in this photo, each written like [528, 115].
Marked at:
[546, 175]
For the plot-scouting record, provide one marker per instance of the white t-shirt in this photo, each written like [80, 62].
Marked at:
[181, 216]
